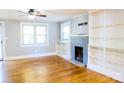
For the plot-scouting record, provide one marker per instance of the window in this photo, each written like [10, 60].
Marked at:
[28, 35]
[34, 34]
[65, 31]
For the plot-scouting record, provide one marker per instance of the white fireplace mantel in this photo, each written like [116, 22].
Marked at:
[78, 35]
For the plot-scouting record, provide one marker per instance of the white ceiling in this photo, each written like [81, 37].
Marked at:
[53, 15]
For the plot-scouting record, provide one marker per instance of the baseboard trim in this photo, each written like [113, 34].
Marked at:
[112, 74]
[29, 56]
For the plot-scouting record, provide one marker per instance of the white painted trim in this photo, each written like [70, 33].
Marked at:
[29, 56]
[85, 35]
[3, 38]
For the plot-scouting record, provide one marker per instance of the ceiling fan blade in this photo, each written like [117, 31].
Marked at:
[31, 12]
[21, 12]
[41, 15]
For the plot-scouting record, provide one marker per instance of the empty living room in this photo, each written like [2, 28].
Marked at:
[61, 45]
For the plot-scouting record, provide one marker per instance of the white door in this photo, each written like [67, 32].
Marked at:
[1, 44]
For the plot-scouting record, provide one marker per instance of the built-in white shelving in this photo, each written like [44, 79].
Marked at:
[106, 42]
[63, 49]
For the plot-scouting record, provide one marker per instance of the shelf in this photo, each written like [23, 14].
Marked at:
[107, 49]
[122, 38]
[102, 26]
[96, 37]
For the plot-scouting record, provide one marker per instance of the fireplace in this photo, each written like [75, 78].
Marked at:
[79, 53]
[79, 50]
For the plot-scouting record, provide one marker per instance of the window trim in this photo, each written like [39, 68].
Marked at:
[33, 24]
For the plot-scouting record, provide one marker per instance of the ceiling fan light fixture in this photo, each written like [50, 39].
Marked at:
[31, 16]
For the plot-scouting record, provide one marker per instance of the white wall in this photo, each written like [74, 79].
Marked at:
[74, 21]
[13, 48]
[75, 29]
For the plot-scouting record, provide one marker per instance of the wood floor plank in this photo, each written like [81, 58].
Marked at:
[50, 69]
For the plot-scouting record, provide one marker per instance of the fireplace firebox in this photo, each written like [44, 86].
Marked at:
[79, 53]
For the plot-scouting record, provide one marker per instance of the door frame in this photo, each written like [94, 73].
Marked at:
[3, 39]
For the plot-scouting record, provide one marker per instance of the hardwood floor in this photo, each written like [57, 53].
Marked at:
[49, 69]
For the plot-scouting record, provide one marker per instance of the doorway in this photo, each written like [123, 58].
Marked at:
[1, 43]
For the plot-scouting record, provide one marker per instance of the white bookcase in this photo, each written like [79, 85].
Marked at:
[106, 43]
[63, 49]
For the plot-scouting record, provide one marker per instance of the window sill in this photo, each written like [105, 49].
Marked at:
[44, 45]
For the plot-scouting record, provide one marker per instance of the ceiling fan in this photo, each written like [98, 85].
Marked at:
[32, 13]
